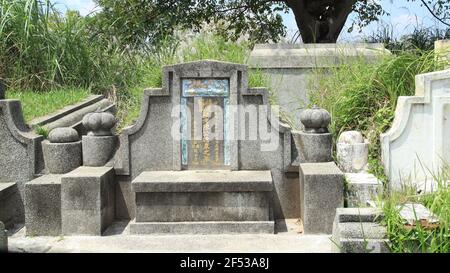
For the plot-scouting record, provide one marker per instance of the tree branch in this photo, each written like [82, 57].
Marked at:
[434, 15]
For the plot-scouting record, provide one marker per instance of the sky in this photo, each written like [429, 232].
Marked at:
[403, 17]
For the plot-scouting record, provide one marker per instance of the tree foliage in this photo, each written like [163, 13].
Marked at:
[143, 22]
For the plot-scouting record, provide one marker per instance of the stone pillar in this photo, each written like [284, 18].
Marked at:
[314, 144]
[99, 143]
[62, 150]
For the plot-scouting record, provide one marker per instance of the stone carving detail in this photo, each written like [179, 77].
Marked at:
[315, 120]
[99, 123]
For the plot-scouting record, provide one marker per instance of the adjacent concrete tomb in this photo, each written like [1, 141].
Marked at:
[418, 143]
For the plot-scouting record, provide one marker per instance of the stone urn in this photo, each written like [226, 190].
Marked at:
[352, 152]
[314, 143]
[315, 120]
[99, 143]
[99, 123]
[62, 150]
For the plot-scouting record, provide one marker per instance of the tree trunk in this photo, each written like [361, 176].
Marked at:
[320, 21]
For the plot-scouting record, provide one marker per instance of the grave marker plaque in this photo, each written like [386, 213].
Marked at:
[204, 125]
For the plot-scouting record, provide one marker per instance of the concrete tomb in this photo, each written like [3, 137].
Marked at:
[417, 146]
[207, 155]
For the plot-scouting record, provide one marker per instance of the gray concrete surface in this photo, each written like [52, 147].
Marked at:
[117, 239]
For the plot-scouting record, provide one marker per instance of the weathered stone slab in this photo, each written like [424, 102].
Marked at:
[417, 144]
[209, 227]
[43, 206]
[87, 200]
[3, 239]
[357, 230]
[361, 187]
[321, 192]
[413, 213]
[203, 206]
[203, 181]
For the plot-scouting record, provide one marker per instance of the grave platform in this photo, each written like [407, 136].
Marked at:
[203, 202]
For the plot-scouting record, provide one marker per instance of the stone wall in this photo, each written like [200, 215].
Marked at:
[418, 142]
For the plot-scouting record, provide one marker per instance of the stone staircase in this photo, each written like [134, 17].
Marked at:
[203, 202]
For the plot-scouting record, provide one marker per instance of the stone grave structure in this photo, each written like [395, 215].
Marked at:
[418, 142]
[290, 67]
[207, 155]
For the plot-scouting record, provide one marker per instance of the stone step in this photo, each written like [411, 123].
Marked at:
[203, 181]
[204, 227]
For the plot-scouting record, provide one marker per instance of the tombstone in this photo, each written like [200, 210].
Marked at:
[207, 155]
[418, 143]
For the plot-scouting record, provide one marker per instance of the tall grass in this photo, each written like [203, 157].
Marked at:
[42, 49]
[362, 96]
[420, 237]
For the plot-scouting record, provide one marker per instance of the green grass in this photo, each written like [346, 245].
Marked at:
[420, 238]
[37, 104]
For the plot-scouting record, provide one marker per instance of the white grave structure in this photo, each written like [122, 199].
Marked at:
[418, 143]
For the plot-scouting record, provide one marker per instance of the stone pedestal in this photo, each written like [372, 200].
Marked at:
[321, 192]
[314, 147]
[98, 150]
[361, 187]
[61, 158]
[357, 230]
[3, 239]
[87, 200]
[43, 206]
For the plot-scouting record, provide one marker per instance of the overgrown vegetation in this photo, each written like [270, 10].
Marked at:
[362, 96]
[37, 104]
[42, 49]
[421, 237]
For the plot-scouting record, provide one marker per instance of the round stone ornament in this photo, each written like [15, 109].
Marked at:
[99, 123]
[315, 120]
[63, 135]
